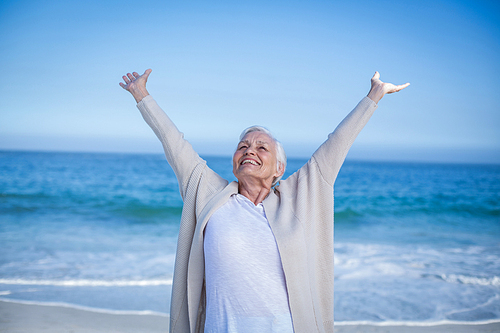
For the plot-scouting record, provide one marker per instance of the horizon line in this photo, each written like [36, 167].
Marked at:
[421, 160]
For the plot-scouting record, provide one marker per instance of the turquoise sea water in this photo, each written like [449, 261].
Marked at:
[413, 242]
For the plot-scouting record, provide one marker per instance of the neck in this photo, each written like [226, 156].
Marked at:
[255, 192]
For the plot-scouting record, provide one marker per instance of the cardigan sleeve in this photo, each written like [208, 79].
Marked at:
[179, 152]
[301, 216]
[331, 154]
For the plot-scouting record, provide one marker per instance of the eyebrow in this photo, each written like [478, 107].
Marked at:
[257, 142]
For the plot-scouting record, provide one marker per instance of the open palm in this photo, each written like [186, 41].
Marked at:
[136, 84]
[379, 88]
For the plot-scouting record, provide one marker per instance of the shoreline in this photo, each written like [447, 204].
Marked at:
[418, 327]
[22, 316]
[26, 316]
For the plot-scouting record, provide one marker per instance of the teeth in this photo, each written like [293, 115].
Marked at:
[249, 161]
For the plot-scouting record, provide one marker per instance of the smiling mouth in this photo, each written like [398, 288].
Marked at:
[249, 161]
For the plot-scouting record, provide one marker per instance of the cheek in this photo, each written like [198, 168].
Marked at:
[271, 163]
[236, 157]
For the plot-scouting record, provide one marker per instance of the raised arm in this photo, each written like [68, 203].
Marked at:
[331, 154]
[185, 162]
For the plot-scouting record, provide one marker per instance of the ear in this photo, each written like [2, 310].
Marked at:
[280, 171]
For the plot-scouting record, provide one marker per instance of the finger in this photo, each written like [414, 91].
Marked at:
[135, 74]
[125, 78]
[131, 77]
[395, 88]
[122, 85]
[147, 72]
[402, 86]
[376, 76]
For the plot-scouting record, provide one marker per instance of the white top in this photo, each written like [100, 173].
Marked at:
[245, 283]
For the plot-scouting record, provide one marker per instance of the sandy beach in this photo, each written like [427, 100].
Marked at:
[17, 317]
[29, 318]
[440, 328]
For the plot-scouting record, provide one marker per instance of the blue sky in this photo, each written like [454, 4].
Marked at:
[295, 67]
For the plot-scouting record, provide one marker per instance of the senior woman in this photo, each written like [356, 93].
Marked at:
[254, 256]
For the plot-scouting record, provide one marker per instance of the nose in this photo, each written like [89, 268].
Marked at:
[249, 151]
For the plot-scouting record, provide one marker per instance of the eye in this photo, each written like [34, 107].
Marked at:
[241, 147]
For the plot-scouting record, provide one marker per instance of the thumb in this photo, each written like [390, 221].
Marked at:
[147, 72]
[376, 76]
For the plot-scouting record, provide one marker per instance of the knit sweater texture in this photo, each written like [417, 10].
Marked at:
[299, 210]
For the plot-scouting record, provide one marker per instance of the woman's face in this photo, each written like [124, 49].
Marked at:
[255, 157]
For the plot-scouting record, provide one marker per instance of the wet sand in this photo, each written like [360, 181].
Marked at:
[438, 328]
[16, 317]
[19, 317]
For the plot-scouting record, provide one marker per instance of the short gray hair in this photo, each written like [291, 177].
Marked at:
[280, 151]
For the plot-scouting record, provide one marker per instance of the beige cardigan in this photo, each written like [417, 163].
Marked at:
[300, 213]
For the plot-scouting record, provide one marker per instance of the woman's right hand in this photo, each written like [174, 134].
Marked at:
[136, 84]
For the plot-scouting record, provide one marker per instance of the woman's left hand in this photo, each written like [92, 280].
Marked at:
[379, 88]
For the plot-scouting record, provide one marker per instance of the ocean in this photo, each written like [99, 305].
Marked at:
[414, 242]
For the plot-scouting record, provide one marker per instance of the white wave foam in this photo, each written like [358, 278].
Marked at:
[415, 323]
[86, 308]
[481, 281]
[88, 283]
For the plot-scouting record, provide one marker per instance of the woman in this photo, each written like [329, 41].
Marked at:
[253, 256]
